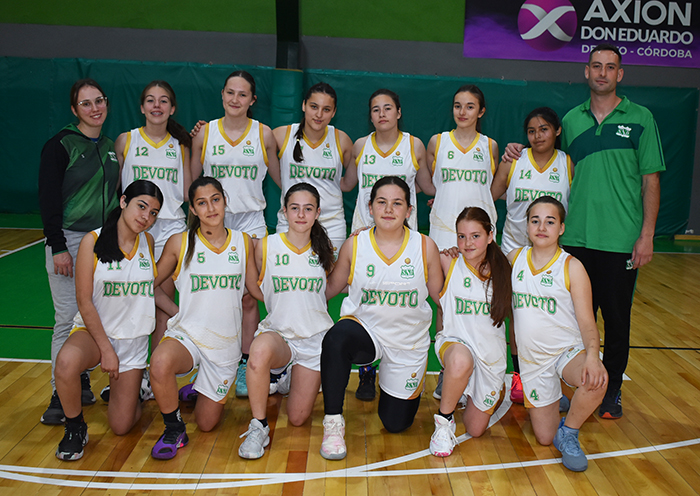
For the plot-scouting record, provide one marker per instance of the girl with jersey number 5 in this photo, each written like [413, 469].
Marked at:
[556, 333]
[114, 274]
[239, 151]
[391, 270]
[210, 265]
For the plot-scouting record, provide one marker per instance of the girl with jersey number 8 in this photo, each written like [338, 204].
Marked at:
[210, 265]
[315, 152]
[391, 270]
[471, 346]
[114, 275]
[293, 268]
[556, 333]
[239, 151]
[160, 152]
[540, 169]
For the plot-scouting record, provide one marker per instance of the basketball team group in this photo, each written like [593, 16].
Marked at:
[151, 294]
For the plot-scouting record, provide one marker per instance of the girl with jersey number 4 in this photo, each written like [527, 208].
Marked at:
[114, 275]
[210, 265]
[556, 333]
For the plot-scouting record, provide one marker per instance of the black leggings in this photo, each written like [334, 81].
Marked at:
[347, 342]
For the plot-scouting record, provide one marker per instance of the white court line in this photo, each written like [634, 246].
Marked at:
[24, 360]
[22, 248]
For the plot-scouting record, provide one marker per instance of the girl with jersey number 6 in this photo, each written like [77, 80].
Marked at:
[556, 333]
[239, 151]
[210, 265]
[293, 268]
[114, 275]
[391, 270]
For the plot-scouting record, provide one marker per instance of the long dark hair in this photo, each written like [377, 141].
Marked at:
[550, 117]
[107, 243]
[320, 242]
[397, 181]
[251, 81]
[174, 128]
[474, 90]
[494, 262]
[390, 94]
[193, 222]
[324, 88]
[551, 201]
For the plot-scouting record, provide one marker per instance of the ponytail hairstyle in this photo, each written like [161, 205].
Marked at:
[496, 263]
[550, 117]
[550, 200]
[251, 81]
[193, 222]
[474, 90]
[324, 88]
[176, 129]
[397, 181]
[390, 94]
[320, 242]
[107, 243]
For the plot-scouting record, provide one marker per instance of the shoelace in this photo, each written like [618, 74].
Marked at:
[333, 428]
[55, 401]
[446, 432]
[367, 377]
[570, 445]
[171, 434]
[251, 430]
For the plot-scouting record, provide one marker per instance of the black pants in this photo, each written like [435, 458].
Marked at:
[613, 289]
[347, 343]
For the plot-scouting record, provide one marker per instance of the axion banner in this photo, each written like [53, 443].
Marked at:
[648, 32]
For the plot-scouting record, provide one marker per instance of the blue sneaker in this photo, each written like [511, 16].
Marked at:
[566, 441]
[241, 384]
[564, 404]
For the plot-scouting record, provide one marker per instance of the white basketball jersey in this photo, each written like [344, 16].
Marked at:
[211, 288]
[293, 283]
[462, 178]
[122, 292]
[161, 163]
[322, 167]
[373, 164]
[390, 296]
[526, 183]
[240, 165]
[543, 311]
[466, 313]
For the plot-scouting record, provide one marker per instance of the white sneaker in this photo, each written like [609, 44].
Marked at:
[257, 438]
[282, 383]
[333, 445]
[146, 391]
[443, 440]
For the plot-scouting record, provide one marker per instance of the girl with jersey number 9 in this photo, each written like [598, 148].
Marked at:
[293, 269]
[378, 320]
[315, 152]
[114, 275]
[211, 265]
[239, 151]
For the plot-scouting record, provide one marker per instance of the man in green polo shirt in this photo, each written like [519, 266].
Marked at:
[614, 202]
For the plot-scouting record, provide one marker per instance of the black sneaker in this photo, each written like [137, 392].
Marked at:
[437, 394]
[86, 397]
[54, 413]
[71, 446]
[611, 407]
[104, 394]
[366, 390]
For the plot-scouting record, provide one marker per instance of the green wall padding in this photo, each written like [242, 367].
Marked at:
[34, 106]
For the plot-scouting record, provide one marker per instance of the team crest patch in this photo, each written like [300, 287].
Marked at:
[412, 383]
[222, 389]
[143, 262]
[171, 153]
[490, 399]
[397, 160]
[478, 155]
[233, 256]
[327, 153]
[547, 279]
[313, 260]
[112, 156]
[554, 176]
[622, 131]
[407, 271]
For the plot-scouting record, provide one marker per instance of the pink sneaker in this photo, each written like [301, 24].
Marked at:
[516, 389]
[333, 445]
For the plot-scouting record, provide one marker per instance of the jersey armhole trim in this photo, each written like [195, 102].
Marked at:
[286, 140]
[413, 153]
[567, 277]
[424, 252]
[126, 145]
[337, 145]
[262, 144]
[437, 149]
[181, 256]
[204, 143]
[448, 276]
[354, 259]
[264, 261]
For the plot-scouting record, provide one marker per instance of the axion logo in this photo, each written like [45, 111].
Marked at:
[547, 25]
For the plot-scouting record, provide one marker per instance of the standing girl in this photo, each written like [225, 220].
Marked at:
[391, 270]
[556, 333]
[238, 151]
[293, 268]
[386, 152]
[463, 162]
[472, 344]
[210, 265]
[114, 275]
[315, 152]
[160, 152]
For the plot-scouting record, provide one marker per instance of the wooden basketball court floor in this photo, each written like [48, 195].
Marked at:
[653, 449]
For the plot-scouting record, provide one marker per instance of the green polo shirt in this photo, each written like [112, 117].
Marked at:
[605, 205]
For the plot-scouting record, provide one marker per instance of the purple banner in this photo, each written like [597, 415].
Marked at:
[648, 32]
